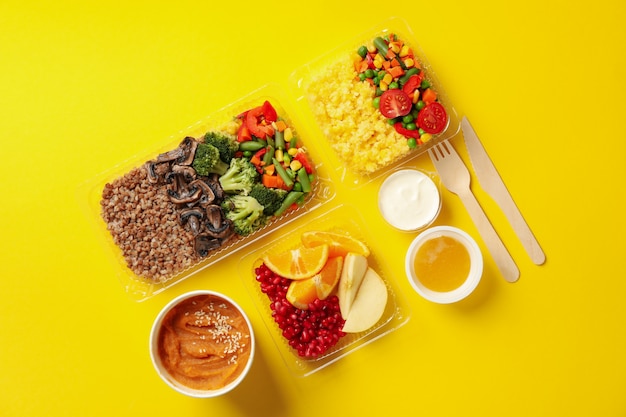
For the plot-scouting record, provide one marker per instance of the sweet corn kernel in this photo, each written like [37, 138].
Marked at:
[404, 51]
[383, 85]
[288, 134]
[295, 165]
[416, 96]
[278, 154]
[394, 46]
[292, 151]
[388, 78]
[378, 64]
[409, 62]
[426, 137]
[371, 48]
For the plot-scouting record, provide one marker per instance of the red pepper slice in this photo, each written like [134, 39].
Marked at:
[258, 123]
[406, 132]
[269, 112]
[243, 134]
[413, 83]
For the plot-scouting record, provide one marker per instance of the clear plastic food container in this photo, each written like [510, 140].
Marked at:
[340, 219]
[362, 144]
[140, 287]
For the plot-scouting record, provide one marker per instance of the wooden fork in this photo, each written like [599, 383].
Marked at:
[456, 178]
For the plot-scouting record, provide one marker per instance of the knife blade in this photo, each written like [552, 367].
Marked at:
[491, 181]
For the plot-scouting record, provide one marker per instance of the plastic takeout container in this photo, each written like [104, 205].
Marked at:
[304, 81]
[247, 343]
[140, 288]
[340, 219]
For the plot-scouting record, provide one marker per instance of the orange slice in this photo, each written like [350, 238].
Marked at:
[301, 293]
[326, 280]
[339, 244]
[298, 263]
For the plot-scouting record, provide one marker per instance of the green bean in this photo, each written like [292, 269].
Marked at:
[292, 197]
[303, 178]
[251, 145]
[381, 45]
[267, 156]
[280, 170]
[279, 140]
[408, 74]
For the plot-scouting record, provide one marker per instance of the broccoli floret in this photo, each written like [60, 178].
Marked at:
[270, 198]
[240, 177]
[207, 160]
[226, 144]
[245, 212]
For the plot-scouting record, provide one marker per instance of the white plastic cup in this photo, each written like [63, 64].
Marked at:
[473, 277]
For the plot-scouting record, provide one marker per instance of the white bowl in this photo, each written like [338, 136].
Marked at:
[409, 200]
[161, 369]
[475, 270]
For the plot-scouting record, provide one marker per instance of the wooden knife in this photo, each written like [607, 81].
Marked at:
[492, 183]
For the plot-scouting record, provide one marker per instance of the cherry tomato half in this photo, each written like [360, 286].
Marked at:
[432, 118]
[395, 103]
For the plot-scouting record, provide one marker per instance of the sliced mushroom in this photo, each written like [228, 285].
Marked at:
[184, 196]
[203, 244]
[217, 226]
[208, 196]
[188, 148]
[153, 178]
[187, 172]
[192, 217]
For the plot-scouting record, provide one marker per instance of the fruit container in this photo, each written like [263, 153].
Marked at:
[139, 286]
[344, 220]
[360, 141]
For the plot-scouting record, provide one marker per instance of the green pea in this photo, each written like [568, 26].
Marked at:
[420, 105]
[369, 73]
[425, 84]
[408, 119]
[421, 131]
[379, 92]
[362, 51]
[297, 187]
[411, 126]
[392, 121]
[393, 85]
[248, 154]
[381, 74]
[376, 102]
[412, 143]
[362, 76]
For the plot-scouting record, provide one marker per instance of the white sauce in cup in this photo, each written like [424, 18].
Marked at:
[409, 200]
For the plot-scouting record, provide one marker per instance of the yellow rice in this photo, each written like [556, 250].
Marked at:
[356, 130]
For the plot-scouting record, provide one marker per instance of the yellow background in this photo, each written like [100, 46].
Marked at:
[85, 86]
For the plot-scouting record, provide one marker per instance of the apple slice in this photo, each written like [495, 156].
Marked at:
[368, 305]
[352, 273]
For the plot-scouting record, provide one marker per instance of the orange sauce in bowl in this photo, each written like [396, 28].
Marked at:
[442, 264]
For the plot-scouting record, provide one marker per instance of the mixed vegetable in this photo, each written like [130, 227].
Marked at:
[264, 172]
[403, 94]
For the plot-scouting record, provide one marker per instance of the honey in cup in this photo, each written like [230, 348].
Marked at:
[444, 264]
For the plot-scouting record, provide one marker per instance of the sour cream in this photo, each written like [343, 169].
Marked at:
[409, 200]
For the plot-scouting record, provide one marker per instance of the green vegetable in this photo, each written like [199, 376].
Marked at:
[252, 145]
[207, 160]
[291, 198]
[279, 140]
[408, 74]
[303, 179]
[226, 144]
[269, 198]
[362, 51]
[245, 212]
[280, 170]
[381, 45]
[240, 177]
[267, 156]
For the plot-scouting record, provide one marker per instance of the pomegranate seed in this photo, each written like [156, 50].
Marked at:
[309, 332]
